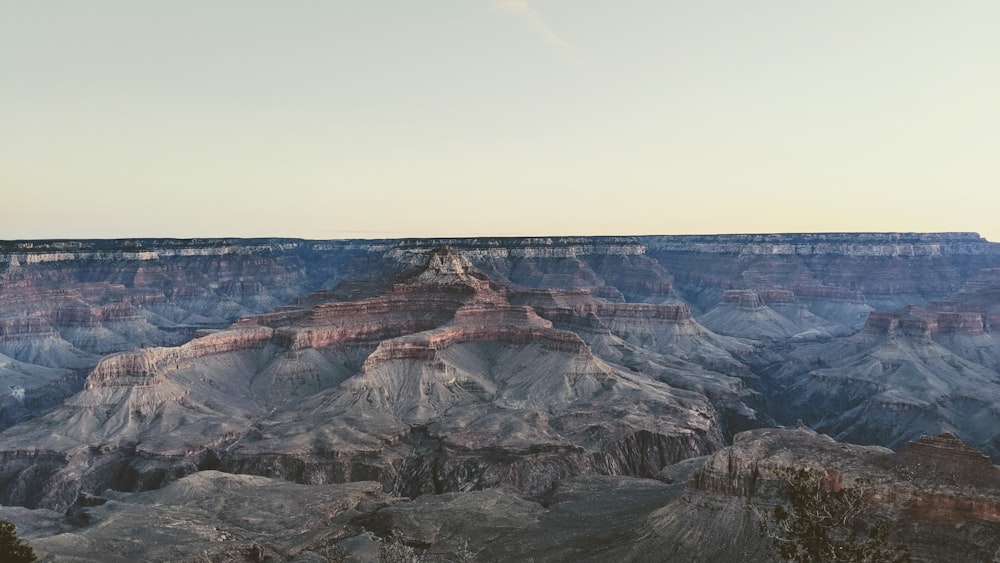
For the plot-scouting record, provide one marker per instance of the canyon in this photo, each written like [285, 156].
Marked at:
[569, 398]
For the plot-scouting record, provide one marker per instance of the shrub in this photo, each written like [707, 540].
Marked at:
[820, 521]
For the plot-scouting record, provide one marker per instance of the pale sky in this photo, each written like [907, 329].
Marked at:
[339, 119]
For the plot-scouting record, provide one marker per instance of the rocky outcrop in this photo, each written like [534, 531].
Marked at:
[966, 334]
[147, 366]
[64, 304]
[833, 272]
[932, 488]
[945, 457]
[901, 367]
[960, 323]
[373, 319]
[843, 244]
[209, 515]
[703, 517]
[674, 312]
[925, 323]
[423, 345]
[446, 267]
[931, 462]
[24, 328]
[768, 314]
[756, 299]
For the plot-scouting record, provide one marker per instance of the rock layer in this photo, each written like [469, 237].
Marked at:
[439, 384]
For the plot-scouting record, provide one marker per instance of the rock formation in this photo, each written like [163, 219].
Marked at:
[933, 370]
[513, 382]
[941, 498]
[65, 304]
[428, 384]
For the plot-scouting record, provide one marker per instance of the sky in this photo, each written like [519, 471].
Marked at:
[345, 119]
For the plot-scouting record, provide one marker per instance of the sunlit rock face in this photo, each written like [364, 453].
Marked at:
[517, 372]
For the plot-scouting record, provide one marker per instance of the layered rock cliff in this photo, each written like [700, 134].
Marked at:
[941, 497]
[429, 383]
[553, 366]
[64, 304]
[889, 270]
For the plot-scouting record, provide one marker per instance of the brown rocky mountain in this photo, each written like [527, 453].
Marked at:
[510, 387]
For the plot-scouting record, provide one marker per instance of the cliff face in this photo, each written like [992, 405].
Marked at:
[934, 369]
[149, 365]
[888, 270]
[931, 488]
[64, 304]
[425, 385]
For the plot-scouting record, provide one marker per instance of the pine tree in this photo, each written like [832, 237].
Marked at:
[819, 522]
[12, 548]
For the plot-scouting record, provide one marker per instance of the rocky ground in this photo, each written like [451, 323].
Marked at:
[942, 498]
